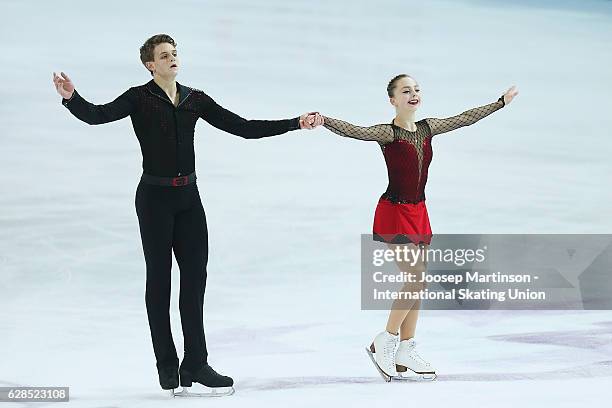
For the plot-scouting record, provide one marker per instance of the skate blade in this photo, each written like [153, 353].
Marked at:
[203, 392]
[415, 377]
[384, 375]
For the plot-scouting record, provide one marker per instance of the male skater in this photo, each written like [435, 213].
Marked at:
[170, 213]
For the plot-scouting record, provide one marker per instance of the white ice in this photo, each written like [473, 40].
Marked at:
[282, 311]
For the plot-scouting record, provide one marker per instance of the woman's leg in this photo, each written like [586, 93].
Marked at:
[155, 217]
[408, 326]
[404, 313]
[190, 245]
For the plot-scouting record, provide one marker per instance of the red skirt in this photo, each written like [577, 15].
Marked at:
[402, 223]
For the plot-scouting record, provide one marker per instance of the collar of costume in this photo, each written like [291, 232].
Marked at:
[183, 91]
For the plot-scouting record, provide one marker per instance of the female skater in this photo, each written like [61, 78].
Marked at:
[170, 213]
[401, 214]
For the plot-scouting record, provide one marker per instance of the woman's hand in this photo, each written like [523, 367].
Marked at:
[510, 94]
[310, 120]
[63, 85]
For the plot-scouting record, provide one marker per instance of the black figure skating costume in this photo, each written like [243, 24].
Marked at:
[171, 217]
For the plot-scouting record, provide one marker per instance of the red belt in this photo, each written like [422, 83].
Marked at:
[169, 181]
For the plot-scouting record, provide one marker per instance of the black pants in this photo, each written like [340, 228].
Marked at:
[172, 218]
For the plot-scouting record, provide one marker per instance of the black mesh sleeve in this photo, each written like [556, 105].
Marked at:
[382, 133]
[466, 118]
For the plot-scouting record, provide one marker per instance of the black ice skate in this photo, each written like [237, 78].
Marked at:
[214, 384]
[168, 377]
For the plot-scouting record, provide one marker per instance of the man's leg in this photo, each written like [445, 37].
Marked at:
[155, 217]
[190, 245]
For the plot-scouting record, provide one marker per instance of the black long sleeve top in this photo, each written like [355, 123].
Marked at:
[165, 132]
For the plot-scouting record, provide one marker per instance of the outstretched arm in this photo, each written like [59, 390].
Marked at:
[89, 113]
[471, 116]
[381, 133]
[230, 122]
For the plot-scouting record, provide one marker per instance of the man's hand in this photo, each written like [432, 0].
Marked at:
[311, 120]
[63, 85]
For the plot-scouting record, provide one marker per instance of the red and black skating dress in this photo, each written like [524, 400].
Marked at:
[401, 214]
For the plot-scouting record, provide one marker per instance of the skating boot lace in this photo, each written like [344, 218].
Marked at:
[415, 356]
[389, 348]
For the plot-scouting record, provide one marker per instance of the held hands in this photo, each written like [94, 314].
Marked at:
[311, 120]
[63, 85]
[510, 94]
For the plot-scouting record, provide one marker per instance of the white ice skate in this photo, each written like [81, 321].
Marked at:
[410, 365]
[382, 353]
